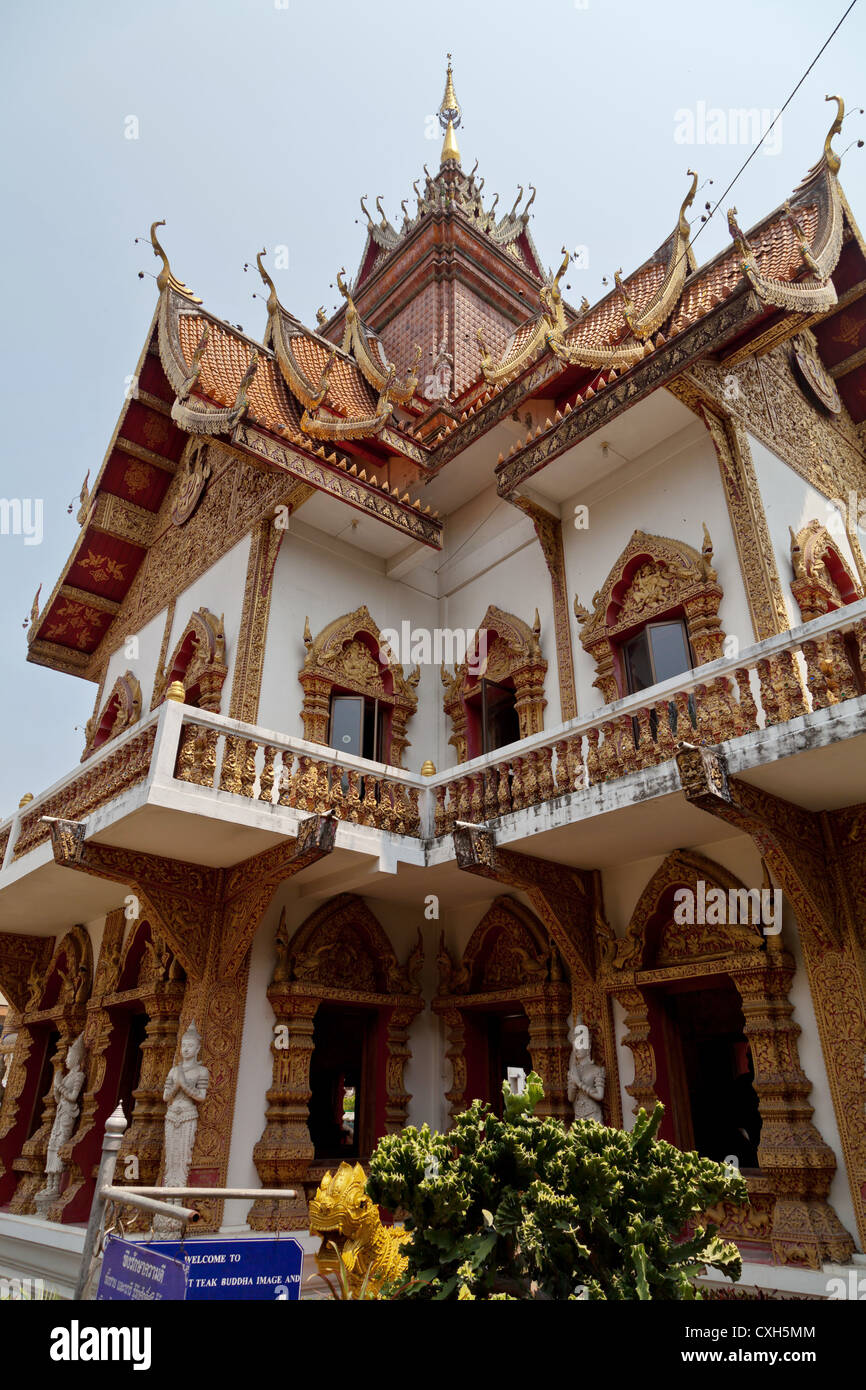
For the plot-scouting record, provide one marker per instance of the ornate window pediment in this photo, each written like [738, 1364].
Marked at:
[348, 655]
[655, 939]
[342, 946]
[822, 581]
[198, 662]
[513, 655]
[508, 950]
[69, 977]
[653, 577]
[121, 709]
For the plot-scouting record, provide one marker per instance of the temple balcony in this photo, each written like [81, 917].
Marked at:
[790, 713]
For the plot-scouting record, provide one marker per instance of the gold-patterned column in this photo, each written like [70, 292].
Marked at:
[144, 1137]
[745, 508]
[249, 657]
[548, 529]
[285, 1151]
[806, 1230]
[397, 1040]
[548, 1046]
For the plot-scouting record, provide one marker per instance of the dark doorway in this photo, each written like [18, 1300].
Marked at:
[341, 1104]
[711, 1063]
[130, 1074]
[499, 1040]
[46, 1081]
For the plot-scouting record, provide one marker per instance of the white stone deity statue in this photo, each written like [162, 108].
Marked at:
[585, 1077]
[185, 1089]
[67, 1089]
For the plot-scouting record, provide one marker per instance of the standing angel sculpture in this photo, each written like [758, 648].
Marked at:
[185, 1089]
[67, 1089]
[586, 1078]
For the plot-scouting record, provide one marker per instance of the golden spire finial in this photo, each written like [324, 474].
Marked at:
[450, 117]
[833, 160]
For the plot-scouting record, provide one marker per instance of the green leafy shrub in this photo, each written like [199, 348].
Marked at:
[524, 1207]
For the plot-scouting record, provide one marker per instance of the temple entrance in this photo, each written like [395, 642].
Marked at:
[710, 1070]
[496, 1039]
[341, 1075]
[505, 1004]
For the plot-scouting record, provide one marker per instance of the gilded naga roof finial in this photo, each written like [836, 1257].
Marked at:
[687, 202]
[273, 300]
[165, 279]
[450, 117]
[832, 158]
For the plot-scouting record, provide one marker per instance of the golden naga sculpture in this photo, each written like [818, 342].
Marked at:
[547, 331]
[345, 1217]
[831, 158]
[165, 279]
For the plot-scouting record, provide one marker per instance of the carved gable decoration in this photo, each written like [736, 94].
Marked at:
[350, 654]
[823, 580]
[512, 653]
[69, 977]
[653, 578]
[121, 710]
[655, 939]
[198, 662]
[342, 946]
[508, 950]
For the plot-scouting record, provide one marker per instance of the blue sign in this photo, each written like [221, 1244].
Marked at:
[238, 1268]
[134, 1272]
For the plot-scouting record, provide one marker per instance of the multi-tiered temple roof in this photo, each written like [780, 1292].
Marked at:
[449, 325]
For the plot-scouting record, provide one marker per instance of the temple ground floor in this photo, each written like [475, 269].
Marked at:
[709, 950]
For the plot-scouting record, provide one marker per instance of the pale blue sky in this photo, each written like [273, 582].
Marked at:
[261, 125]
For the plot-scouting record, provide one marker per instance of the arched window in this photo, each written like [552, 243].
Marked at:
[198, 662]
[356, 699]
[505, 1004]
[121, 709]
[655, 616]
[496, 696]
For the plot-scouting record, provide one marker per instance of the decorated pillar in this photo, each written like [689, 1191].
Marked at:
[285, 1151]
[548, 1045]
[805, 1229]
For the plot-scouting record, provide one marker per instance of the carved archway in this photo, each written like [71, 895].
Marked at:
[823, 580]
[198, 662]
[55, 1013]
[121, 710]
[512, 655]
[339, 956]
[654, 578]
[509, 962]
[350, 655]
[789, 1213]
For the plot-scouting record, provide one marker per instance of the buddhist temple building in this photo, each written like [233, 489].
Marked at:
[470, 668]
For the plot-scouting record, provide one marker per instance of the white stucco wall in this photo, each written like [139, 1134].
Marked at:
[220, 589]
[142, 662]
[790, 501]
[321, 578]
